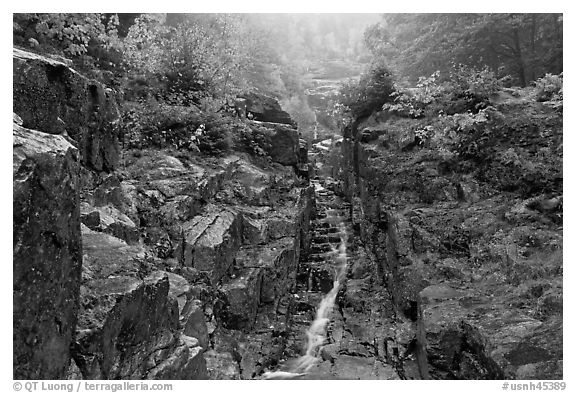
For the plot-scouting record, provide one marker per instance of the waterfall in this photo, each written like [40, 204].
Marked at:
[316, 334]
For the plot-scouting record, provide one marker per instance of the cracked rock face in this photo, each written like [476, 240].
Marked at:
[47, 253]
[129, 321]
[470, 252]
[52, 97]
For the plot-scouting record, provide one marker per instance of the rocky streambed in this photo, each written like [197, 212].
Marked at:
[170, 264]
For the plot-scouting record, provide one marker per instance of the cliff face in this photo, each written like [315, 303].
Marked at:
[173, 265]
[47, 252]
[471, 252]
[51, 97]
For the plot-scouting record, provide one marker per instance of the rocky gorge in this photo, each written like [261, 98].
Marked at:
[169, 264]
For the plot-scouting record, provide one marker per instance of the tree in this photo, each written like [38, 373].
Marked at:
[194, 55]
[526, 46]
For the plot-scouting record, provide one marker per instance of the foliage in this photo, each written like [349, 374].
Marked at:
[216, 137]
[76, 35]
[470, 81]
[464, 89]
[156, 124]
[370, 93]
[161, 125]
[413, 102]
[195, 56]
[524, 45]
[250, 140]
[550, 88]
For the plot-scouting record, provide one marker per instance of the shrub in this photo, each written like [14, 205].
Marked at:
[216, 138]
[370, 93]
[464, 90]
[414, 102]
[550, 88]
[469, 81]
[155, 124]
[250, 139]
[70, 33]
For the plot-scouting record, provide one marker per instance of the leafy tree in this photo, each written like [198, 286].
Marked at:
[193, 55]
[370, 93]
[71, 33]
[524, 45]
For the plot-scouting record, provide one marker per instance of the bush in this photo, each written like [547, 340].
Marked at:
[464, 90]
[414, 102]
[550, 88]
[469, 81]
[250, 139]
[372, 91]
[155, 124]
[216, 138]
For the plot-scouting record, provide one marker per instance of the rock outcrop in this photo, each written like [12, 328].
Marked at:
[52, 97]
[47, 253]
[129, 322]
[266, 109]
[281, 142]
[473, 266]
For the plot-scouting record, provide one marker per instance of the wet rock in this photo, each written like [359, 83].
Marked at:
[265, 108]
[52, 97]
[474, 335]
[353, 367]
[277, 263]
[47, 251]
[109, 219]
[211, 242]
[128, 325]
[221, 366]
[278, 228]
[118, 193]
[185, 362]
[254, 230]
[241, 299]
[282, 142]
[179, 288]
[194, 322]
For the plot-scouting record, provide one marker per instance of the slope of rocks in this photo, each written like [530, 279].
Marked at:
[471, 253]
[167, 264]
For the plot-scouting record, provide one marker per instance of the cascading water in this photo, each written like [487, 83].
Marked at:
[316, 334]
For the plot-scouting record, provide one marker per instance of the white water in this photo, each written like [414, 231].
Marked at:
[317, 332]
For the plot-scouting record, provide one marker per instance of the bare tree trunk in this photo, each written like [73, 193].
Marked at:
[519, 59]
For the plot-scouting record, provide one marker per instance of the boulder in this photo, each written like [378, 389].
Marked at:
[262, 274]
[119, 193]
[278, 264]
[277, 228]
[128, 327]
[211, 241]
[282, 142]
[354, 367]
[472, 335]
[194, 322]
[265, 108]
[109, 219]
[54, 98]
[241, 299]
[221, 366]
[179, 288]
[185, 362]
[47, 253]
